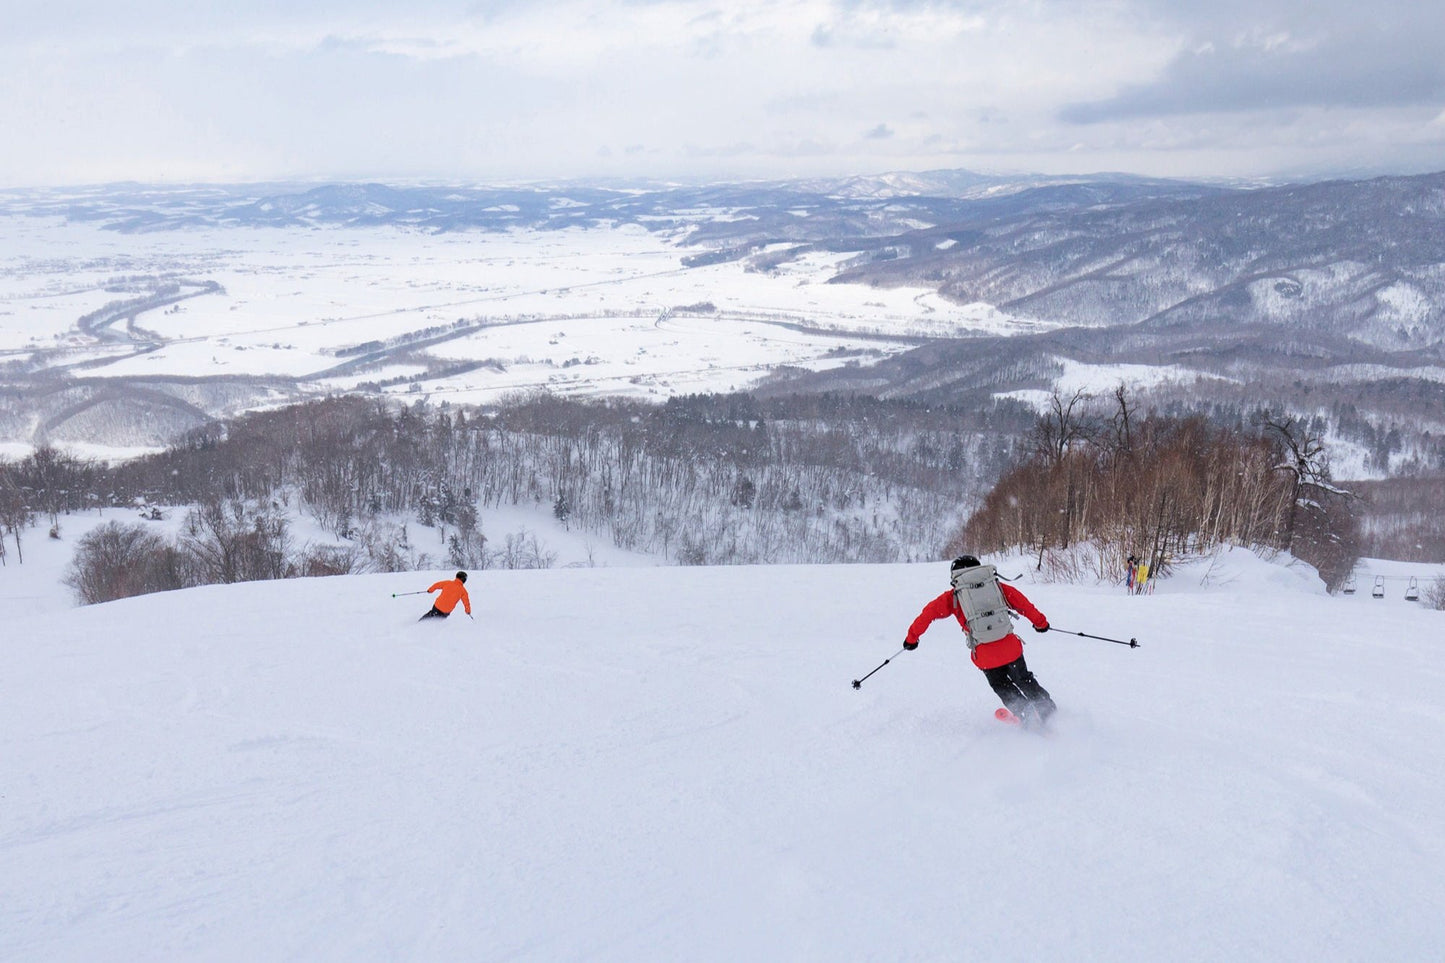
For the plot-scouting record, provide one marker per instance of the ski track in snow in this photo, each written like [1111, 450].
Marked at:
[663, 763]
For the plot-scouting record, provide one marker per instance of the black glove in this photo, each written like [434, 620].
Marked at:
[910, 646]
[1042, 628]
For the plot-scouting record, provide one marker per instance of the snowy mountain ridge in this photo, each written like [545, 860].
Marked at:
[670, 763]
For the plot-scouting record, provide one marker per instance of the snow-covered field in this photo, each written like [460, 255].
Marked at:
[576, 311]
[1100, 379]
[669, 763]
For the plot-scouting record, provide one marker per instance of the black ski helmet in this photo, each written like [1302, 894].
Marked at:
[461, 576]
[963, 561]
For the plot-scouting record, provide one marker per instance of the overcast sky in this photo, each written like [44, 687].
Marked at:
[506, 90]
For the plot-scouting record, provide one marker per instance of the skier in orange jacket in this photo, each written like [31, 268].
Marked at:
[452, 591]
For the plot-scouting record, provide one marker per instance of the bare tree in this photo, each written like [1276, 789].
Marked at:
[1190, 486]
[1061, 427]
[1122, 423]
[15, 512]
[116, 561]
[1306, 463]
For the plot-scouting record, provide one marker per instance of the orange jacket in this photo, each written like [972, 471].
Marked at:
[990, 655]
[453, 592]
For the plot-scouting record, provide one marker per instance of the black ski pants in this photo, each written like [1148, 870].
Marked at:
[435, 613]
[1019, 690]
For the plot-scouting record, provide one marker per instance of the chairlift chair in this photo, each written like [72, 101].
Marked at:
[1349, 587]
[1379, 590]
[1412, 591]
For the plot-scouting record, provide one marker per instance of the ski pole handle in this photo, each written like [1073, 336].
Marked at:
[1132, 643]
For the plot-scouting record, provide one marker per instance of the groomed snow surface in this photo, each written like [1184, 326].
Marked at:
[670, 764]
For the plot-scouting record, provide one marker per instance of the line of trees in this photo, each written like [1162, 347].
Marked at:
[45, 485]
[715, 479]
[219, 544]
[1160, 487]
[700, 479]
[705, 479]
[1406, 520]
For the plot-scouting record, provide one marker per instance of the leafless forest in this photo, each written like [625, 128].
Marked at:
[698, 480]
[718, 479]
[1159, 487]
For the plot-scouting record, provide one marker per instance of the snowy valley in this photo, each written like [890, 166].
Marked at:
[130, 314]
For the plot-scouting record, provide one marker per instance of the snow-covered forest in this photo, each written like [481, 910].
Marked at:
[354, 485]
[703, 479]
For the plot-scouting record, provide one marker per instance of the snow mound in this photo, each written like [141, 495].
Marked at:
[1241, 570]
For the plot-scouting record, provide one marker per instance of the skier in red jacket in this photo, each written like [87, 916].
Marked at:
[1002, 661]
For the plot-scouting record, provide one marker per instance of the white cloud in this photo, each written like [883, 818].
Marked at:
[494, 90]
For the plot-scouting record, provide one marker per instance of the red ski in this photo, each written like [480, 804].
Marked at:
[1006, 717]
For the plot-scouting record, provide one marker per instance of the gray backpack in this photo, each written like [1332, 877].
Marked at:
[981, 600]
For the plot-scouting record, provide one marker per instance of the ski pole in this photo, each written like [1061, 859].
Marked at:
[858, 683]
[1132, 643]
[398, 594]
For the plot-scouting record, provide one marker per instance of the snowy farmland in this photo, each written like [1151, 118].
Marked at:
[670, 763]
[466, 316]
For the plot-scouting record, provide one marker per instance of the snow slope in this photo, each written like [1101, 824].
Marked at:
[670, 763]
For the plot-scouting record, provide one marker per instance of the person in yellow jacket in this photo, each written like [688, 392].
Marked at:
[452, 591]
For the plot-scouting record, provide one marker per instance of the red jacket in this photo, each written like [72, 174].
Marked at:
[989, 655]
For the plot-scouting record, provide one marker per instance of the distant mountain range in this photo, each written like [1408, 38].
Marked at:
[833, 208]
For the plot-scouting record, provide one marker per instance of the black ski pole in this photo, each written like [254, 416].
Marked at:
[858, 683]
[1132, 643]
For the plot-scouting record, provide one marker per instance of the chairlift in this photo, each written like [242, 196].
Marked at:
[1379, 590]
[1412, 591]
[1349, 588]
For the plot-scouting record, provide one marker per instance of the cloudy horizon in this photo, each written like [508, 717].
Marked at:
[506, 91]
